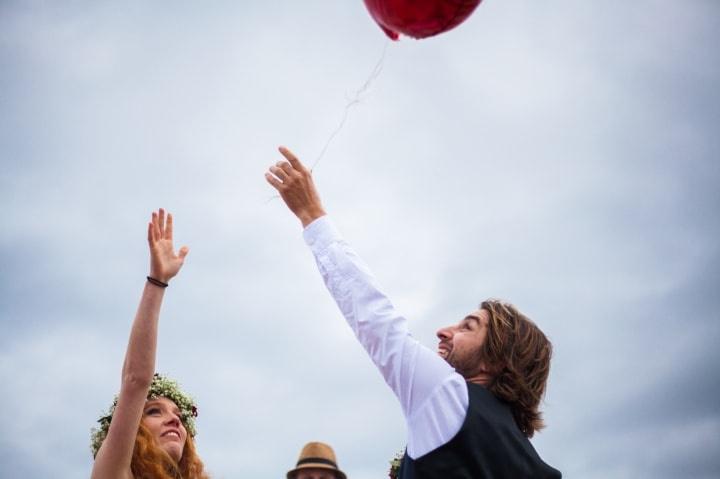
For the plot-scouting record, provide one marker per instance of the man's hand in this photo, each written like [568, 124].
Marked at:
[295, 184]
[164, 263]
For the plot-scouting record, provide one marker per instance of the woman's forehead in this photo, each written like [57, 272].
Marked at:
[161, 401]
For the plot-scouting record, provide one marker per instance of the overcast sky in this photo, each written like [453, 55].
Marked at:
[562, 156]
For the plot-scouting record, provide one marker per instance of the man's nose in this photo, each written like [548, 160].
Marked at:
[445, 333]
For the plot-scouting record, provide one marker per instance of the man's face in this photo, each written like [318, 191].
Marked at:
[314, 473]
[460, 344]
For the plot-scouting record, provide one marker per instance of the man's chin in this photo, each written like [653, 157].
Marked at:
[450, 360]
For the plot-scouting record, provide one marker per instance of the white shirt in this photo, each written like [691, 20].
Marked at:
[433, 397]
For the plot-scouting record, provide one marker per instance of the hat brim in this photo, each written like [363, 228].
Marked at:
[316, 465]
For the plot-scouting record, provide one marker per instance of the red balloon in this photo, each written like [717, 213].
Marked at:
[419, 18]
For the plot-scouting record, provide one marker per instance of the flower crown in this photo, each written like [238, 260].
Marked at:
[160, 387]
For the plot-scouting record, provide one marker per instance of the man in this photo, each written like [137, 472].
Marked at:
[471, 407]
[316, 461]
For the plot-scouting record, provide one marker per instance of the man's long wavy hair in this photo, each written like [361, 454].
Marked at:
[150, 461]
[518, 355]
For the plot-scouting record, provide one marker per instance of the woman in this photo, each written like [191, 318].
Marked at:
[148, 432]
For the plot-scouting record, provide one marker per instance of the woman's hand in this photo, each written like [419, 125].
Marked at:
[164, 262]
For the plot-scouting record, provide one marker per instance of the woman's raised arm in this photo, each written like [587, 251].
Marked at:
[114, 456]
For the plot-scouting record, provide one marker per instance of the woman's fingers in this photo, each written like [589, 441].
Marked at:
[155, 229]
[161, 226]
[169, 227]
[161, 222]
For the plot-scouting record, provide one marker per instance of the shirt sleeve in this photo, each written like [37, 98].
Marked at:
[433, 397]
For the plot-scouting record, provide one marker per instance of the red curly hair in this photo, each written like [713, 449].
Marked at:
[150, 461]
[519, 354]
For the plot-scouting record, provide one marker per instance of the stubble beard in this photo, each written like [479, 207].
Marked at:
[467, 365]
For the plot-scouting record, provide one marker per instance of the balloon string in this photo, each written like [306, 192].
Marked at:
[353, 101]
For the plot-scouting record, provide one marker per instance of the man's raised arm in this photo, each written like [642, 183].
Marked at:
[423, 382]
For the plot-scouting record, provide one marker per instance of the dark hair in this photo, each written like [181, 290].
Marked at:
[518, 356]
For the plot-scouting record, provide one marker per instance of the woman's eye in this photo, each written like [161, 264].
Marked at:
[151, 411]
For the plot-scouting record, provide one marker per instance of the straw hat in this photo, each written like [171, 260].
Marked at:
[317, 455]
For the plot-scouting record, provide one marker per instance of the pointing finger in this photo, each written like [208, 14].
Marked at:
[292, 158]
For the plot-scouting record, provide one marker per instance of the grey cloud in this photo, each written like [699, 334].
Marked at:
[559, 156]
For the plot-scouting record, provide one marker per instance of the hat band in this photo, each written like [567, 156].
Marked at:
[317, 460]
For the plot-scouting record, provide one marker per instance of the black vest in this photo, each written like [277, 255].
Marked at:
[489, 445]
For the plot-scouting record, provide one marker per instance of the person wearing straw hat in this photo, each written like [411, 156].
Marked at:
[472, 405]
[317, 461]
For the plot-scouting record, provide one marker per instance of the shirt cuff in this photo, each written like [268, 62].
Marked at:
[321, 233]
